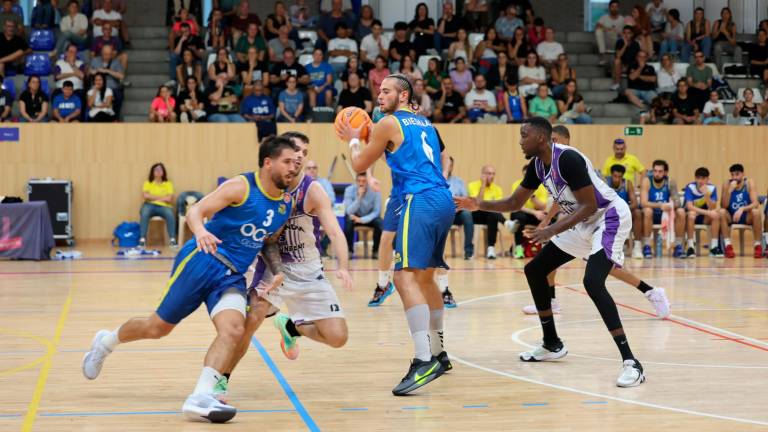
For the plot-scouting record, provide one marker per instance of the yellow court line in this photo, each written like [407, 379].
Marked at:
[17, 369]
[29, 419]
[23, 334]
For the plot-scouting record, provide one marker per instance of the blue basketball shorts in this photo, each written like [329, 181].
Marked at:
[424, 225]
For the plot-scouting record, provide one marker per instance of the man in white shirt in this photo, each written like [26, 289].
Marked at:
[74, 28]
[341, 48]
[548, 49]
[480, 102]
[608, 29]
[109, 14]
[373, 45]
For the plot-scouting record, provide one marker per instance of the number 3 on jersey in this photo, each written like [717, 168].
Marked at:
[427, 148]
[270, 215]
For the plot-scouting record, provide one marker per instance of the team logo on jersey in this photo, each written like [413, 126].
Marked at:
[300, 196]
[281, 209]
[287, 197]
[398, 258]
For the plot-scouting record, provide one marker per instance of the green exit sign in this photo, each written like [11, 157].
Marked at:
[633, 131]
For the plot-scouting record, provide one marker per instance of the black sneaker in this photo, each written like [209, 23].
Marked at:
[716, 252]
[448, 300]
[142, 243]
[419, 374]
[468, 256]
[381, 294]
[690, 253]
[445, 361]
[172, 244]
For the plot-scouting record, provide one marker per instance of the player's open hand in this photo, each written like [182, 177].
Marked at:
[539, 235]
[207, 242]
[345, 278]
[466, 203]
[346, 132]
[276, 281]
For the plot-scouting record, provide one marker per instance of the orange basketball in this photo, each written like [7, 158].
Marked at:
[355, 117]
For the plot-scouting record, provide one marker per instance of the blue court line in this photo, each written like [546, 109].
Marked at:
[476, 406]
[286, 387]
[595, 402]
[353, 409]
[535, 404]
[138, 413]
[415, 408]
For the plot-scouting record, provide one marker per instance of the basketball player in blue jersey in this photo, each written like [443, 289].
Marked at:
[625, 189]
[594, 225]
[244, 211]
[412, 150]
[658, 194]
[700, 199]
[739, 205]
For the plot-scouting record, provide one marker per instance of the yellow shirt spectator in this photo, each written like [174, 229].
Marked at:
[540, 193]
[159, 190]
[492, 192]
[629, 161]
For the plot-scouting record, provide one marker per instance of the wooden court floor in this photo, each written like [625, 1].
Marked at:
[707, 366]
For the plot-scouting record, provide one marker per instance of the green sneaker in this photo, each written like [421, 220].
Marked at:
[519, 252]
[220, 389]
[288, 343]
[419, 374]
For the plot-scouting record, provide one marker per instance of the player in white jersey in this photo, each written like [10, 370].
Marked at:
[314, 310]
[594, 225]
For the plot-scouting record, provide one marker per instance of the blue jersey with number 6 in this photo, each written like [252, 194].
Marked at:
[416, 163]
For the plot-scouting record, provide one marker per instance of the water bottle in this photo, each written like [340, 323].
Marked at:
[658, 245]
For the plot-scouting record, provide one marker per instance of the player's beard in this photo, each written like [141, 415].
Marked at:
[280, 181]
[388, 108]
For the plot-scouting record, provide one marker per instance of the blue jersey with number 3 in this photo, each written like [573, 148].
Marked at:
[416, 163]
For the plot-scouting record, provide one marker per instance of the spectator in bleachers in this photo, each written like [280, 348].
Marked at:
[658, 15]
[524, 9]
[70, 69]
[463, 217]
[101, 100]
[449, 105]
[461, 77]
[758, 57]
[326, 27]
[185, 17]
[118, 5]
[174, 8]
[163, 106]
[477, 14]
[363, 208]
[373, 45]
[356, 95]
[6, 103]
[43, 15]
[697, 36]
[377, 74]
[252, 38]
[222, 67]
[609, 29]
[667, 77]
[571, 105]
[260, 109]
[278, 45]
[549, 49]
[724, 38]
[223, 104]
[626, 53]
[106, 13]
[341, 48]
[506, 24]
[480, 102]
[321, 89]
[253, 71]
[275, 20]
[106, 64]
[73, 28]
[537, 32]
[701, 207]
[409, 69]
[520, 47]
[447, 27]
[542, 105]
[230, 9]
[674, 34]
[490, 191]
[33, 102]
[290, 103]
[460, 47]
[422, 99]
[502, 72]
[634, 170]
[684, 110]
[515, 106]
[113, 41]
[191, 102]
[532, 75]
[189, 67]
[660, 111]
[714, 112]
[641, 25]
[699, 77]
[241, 19]
[433, 76]
[559, 73]
[486, 51]
[641, 82]
[365, 24]
[422, 28]
[7, 14]
[13, 49]
[400, 46]
[157, 192]
[353, 66]
[217, 35]
[746, 107]
[288, 67]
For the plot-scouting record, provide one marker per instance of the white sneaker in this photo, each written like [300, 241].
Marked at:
[93, 360]
[637, 253]
[659, 300]
[614, 87]
[491, 253]
[206, 408]
[511, 226]
[631, 374]
[531, 309]
[541, 353]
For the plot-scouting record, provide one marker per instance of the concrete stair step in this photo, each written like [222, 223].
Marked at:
[612, 120]
[150, 43]
[143, 56]
[135, 118]
[152, 68]
[143, 94]
[614, 110]
[584, 59]
[590, 72]
[600, 84]
[132, 107]
[150, 32]
[580, 47]
[147, 80]
[583, 37]
[593, 97]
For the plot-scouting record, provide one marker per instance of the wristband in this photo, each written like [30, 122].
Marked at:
[354, 142]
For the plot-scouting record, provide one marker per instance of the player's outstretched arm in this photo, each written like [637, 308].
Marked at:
[319, 204]
[509, 204]
[232, 191]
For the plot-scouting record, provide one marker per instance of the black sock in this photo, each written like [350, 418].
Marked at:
[550, 333]
[291, 328]
[644, 287]
[226, 375]
[552, 291]
[623, 345]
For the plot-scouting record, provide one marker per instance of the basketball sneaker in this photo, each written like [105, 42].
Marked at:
[678, 252]
[445, 361]
[221, 389]
[491, 253]
[716, 252]
[519, 252]
[419, 374]
[93, 360]
[758, 251]
[381, 294]
[647, 253]
[544, 353]
[448, 300]
[288, 343]
[206, 408]
[658, 298]
[637, 253]
[690, 253]
[531, 309]
[631, 374]
[512, 226]
[729, 253]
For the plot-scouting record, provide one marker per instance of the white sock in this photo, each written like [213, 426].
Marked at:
[207, 381]
[418, 324]
[383, 278]
[713, 244]
[436, 331]
[111, 340]
[691, 243]
[765, 238]
[442, 282]
[727, 241]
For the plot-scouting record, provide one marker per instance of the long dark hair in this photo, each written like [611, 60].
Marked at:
[103, 90]
[151, 177]
[416, 11]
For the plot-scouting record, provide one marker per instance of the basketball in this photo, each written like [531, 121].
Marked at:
[356, 117]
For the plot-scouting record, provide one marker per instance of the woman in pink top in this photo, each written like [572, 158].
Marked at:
[185, 17]
[461, 77]
[163, 107]
[377, 74]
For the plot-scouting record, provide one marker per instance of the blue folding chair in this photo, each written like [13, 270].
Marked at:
[42, 40]
[37, 64]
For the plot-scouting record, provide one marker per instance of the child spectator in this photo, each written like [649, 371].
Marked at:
[291, 103]
[260, 109]
[66, 105]
[515, 106]
[163, 107]
[542, 105]
[714, 112]
[33, 102]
